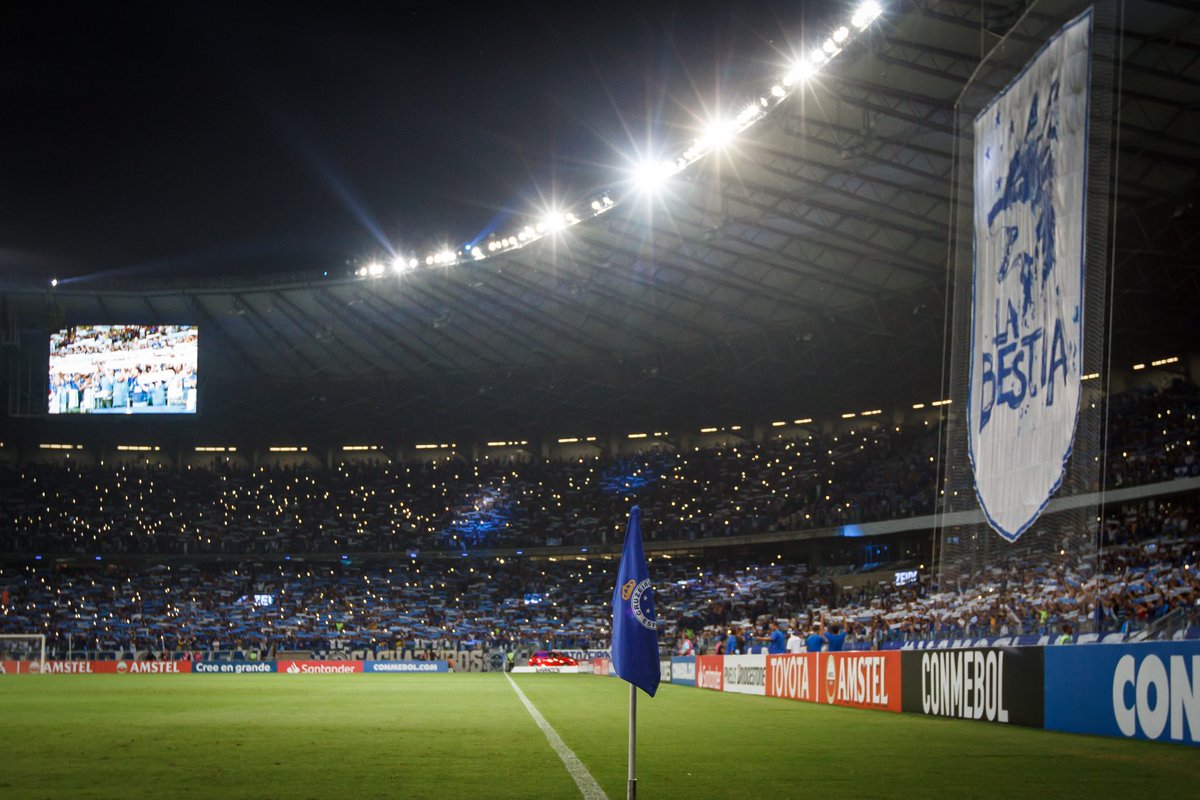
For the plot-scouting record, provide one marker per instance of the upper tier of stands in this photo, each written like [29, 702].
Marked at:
[791, 484]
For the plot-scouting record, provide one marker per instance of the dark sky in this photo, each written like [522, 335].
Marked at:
[178, 138]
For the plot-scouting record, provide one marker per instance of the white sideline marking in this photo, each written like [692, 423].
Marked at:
[583, 779]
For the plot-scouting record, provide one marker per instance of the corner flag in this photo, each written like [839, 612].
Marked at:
[635, 629]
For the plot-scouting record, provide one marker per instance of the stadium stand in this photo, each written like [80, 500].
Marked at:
[783, 484]
[414, 590]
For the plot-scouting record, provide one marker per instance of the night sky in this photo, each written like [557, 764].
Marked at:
[182, 139]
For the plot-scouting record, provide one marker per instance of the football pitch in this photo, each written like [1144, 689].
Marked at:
[470, 736]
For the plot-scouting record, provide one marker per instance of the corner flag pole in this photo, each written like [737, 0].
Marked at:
[635, 632]
[631, 792]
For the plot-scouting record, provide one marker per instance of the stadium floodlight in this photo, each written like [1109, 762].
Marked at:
[650, 175]
[818, 56]
[830, 46]
[799, 72]
[717, 134]
[555, 221]
[777, 91]
[866, 14]
[748, 113]
[841, 34]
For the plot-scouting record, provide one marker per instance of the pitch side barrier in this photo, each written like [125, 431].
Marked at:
[288, 667]
[1141, 690]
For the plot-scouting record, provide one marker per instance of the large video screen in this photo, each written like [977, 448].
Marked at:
[123, 369]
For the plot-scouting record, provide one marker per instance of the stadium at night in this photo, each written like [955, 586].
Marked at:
[384, 416]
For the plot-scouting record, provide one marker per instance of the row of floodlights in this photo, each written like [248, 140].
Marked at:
[649, 175]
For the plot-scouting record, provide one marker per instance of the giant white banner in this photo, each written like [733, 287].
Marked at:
[1027, 309]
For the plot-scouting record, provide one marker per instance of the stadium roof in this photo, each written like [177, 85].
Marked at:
[801, 270]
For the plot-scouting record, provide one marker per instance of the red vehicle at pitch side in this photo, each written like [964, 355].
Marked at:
[549, 658]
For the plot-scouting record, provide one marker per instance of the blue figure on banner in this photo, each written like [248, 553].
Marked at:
[1030, 181]
[1030, 349]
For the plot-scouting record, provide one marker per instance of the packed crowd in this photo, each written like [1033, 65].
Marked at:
[778, 484]
[1147, 568]
[456, 505]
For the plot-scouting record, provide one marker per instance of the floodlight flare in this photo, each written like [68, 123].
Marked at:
[866, 14]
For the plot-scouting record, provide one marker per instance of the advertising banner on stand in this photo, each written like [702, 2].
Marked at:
[1143, 691]
[710, 672]
[231, 667]
[320, 667]
[745, 674]
[154, 667]
[1003, 684]
[683, 670]
[793, 676]
[406, 667]
[868, 679]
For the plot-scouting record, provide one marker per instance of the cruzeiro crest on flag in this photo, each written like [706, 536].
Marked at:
[1027, 306]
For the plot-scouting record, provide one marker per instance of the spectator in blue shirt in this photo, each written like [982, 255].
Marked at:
[814, 642]
[731, 647]
[836, 638]
[777, 641]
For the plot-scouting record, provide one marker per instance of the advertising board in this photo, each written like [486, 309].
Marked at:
[869, 679]
[319, 667]
[232, 667]
[406, 667]
[744, 674]
[1002, 684]
[683, 670]
[1143, 691]
[710, 672]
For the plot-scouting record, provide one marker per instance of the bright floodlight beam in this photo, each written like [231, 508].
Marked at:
[866, 14]
[650, 175]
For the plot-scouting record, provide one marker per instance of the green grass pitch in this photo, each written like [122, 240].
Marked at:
[468, 736]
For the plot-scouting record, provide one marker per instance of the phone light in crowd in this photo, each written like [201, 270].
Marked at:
[53, 282]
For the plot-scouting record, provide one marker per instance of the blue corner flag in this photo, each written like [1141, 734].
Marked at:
[635, 628]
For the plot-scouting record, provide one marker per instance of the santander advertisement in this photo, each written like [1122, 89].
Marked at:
[319, 667]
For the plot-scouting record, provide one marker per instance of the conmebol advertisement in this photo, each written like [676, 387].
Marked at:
[1002, 684]
[1143, 691]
